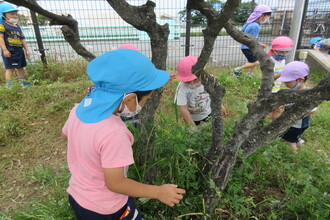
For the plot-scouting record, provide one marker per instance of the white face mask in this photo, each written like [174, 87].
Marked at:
[126, 113]
[12, 20]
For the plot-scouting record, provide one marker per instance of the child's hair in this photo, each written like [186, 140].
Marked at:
[141, 94]
[267, 14]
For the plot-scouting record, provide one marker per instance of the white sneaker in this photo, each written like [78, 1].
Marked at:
[301, 141]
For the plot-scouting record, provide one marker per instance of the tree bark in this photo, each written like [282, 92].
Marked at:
[144, 18]
[249, 134]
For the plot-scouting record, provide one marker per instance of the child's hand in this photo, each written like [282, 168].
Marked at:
[89, 89]
[263, 46]
[280, 109]
[172, 76]
[170, 194]
[27, 53]
[6, 53]
[223, 110]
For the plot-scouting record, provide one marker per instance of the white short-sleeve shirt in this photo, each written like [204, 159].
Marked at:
[197, 100]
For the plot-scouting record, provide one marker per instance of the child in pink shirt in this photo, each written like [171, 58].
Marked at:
[100, 145]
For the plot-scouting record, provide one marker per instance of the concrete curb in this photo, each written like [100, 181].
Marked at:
[315, 59]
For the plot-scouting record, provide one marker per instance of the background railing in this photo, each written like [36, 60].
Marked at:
[101, 29]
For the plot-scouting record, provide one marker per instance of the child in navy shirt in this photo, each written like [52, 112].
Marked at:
[12, 42]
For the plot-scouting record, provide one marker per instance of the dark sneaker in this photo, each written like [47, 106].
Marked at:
[237, 71]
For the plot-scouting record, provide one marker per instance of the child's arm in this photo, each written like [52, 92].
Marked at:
[118, 183]
[64, 136]
[6, 52]
[276, 76]
[27, 52]
[312, 112]
[186, 114]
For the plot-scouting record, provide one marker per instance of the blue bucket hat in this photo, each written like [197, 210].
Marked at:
[4, 8]
[314, 40]
[114, 74]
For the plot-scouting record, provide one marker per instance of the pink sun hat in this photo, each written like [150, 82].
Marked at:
[184, 68]
[257, 12]
[128, 46]
[281, 43]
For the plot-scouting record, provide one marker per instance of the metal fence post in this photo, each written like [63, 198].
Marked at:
[188, 26]
[302, 24]
[38, 37]
[296, 23]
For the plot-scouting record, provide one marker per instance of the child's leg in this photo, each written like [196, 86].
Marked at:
[253, 66]
[8, 75]
[20, 73]
[252, 62]
[250, 66]
[21, 77]
[293, 147]
[291, 137]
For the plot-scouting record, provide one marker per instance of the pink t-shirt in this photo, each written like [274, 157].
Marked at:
[92, 147]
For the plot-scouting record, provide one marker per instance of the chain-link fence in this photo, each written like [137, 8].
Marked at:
[101, 29]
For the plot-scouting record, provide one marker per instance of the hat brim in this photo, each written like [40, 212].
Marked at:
[283, 49]
[160, 80]
[187, 78]
[285, 79]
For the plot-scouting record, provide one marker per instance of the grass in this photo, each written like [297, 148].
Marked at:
[271, 184]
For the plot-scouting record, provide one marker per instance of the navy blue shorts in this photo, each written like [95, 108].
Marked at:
[17, 59]
[85, 214]
[293, 134]
[329, 52]
[249, 55]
